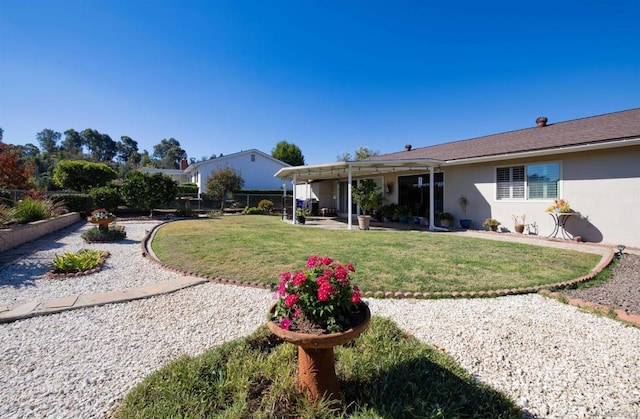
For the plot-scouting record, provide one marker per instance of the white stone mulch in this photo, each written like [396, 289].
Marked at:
[552, 359]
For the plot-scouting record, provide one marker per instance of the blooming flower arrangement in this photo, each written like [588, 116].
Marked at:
[101, 214]
[318, 299]
[559, 205]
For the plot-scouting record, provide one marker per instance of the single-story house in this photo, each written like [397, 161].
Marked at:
[255, 167]
[593, 163]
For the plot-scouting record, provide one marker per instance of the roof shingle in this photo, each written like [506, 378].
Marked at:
[591, 130]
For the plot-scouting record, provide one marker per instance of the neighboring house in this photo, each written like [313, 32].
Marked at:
[255, 167]
[594, 163]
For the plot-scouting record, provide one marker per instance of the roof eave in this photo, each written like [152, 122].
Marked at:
[546, 152]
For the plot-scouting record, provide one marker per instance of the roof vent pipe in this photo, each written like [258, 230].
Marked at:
[542, 121]
[407, 147]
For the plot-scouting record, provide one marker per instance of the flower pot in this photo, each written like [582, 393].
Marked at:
[465, 223]
[103, 223]
[519, 228]
[364, 221]
[445, 222]
[316, 362]
[301, 219]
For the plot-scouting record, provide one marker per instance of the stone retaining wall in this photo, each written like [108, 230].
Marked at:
[24, 233]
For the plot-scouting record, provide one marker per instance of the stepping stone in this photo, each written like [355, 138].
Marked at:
[61, 302]
[20, 311]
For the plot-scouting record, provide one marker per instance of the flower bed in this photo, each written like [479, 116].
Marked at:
[23, 233]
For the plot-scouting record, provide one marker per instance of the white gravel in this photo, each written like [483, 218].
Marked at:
[24, 280]
[554, 360]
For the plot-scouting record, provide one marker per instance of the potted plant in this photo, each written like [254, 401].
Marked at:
[102, 218]
[301, 215]
[445, 219]
[463, 201]
[519, 223]
[491, 223]
[318, 308]
[559, 206]
[368, 196]
[401, 212]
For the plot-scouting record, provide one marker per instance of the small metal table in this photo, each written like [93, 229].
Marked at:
[560, 220]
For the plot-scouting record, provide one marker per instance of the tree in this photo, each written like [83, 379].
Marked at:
[346, 156]
[169, 153]
[101, 147]
[223, 182]
[48, 140]
[288, 153]
[127, 150]
[14, 173]
[71, 147]
[144, 191]
[80, 175]
[364, 152]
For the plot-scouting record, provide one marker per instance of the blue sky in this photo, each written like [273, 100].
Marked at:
[328, 76]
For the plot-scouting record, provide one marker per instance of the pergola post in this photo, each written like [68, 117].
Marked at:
[293, 200]
[350, 198]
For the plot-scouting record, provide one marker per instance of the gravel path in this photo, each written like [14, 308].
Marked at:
[622, 290]
[553, 359]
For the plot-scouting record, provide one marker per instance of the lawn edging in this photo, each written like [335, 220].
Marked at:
[607, 257]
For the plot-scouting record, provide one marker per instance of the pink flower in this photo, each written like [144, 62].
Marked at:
[285, 324]
[350, 267]
[325, 291]
[322, 280]
[291, 300]
[313, 261]
[325, 261]
[356, 297]
[299, 278]
[296, 313]
[282, 288]
[342, 275]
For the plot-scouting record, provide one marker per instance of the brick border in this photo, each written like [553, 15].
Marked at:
[604, 262]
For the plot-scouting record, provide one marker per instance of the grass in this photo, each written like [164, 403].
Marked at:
[384, 373]
[258, 248]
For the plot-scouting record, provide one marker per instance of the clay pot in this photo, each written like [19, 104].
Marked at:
[519, 228]
[316, 362]
[103, 224]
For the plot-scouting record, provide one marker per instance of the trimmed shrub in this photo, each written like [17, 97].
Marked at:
[188, 189]
[266, 205]
[113, 234]
[107, 197]
[82, 203]
[253, 211]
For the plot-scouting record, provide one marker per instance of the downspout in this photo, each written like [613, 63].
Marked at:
[432, 205]
[349, 199]
[293, 201]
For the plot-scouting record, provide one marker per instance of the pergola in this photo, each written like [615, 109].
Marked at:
[348, 170]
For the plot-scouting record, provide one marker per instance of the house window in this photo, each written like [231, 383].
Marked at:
[543, 181]
[510, 182]
[539, 181]
[253, 157]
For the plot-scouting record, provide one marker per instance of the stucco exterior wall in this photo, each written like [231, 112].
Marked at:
[602, 185]
[257, 174]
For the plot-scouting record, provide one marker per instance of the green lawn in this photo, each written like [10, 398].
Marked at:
[258, 248]
[385, 373]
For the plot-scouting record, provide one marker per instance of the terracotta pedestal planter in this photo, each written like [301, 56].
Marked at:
[316, 362]
[103, 223]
